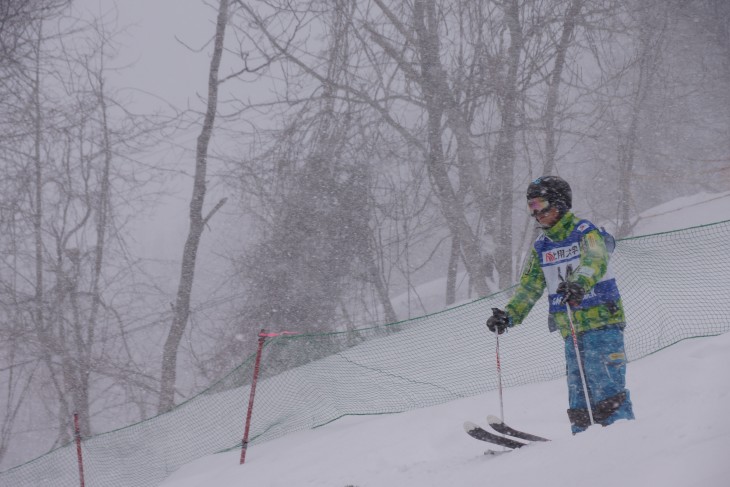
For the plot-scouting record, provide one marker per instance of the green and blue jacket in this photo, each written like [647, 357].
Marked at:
[572, 250]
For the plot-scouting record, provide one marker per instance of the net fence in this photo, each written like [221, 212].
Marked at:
[674, 285]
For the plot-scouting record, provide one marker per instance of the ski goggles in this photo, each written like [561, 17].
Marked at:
[538, 206]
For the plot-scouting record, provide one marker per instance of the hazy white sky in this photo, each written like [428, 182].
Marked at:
[156, 61]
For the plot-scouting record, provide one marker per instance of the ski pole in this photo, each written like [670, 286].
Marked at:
[499, 381]
[580, 364]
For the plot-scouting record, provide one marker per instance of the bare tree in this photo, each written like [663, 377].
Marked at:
[17, 18]
[567, 34]
[464, 73]
[626, 87]
[181, 309]
[65, 262]
[648, 52]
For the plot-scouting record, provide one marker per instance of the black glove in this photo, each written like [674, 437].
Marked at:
[498, 322]
[572, 293]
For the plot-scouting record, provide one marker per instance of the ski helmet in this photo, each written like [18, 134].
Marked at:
[554, 189]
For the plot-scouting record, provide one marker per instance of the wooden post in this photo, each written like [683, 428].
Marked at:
[257, 366]
[77, 434]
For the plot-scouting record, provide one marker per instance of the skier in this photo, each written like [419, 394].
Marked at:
[570, 258]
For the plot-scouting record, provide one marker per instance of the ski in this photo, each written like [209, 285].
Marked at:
[476, 431]
[501, 427]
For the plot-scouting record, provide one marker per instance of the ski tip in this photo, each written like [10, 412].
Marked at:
[469, 426]
[492, 419]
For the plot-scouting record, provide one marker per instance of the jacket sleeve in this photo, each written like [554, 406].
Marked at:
[529, 290]
[593, 260]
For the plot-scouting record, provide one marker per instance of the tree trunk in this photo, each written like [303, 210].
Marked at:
[382, 290]
[43, 327]
[505, 150]
[650, 40]
[437, 94]
[181, 310]
[554, 84]
[452, 271]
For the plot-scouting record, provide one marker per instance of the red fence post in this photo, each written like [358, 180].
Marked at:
[77, 434]
[244, 443]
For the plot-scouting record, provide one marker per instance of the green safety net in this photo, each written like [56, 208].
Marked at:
[674, 285]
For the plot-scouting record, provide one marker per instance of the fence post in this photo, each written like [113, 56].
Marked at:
[244, 443]
[77, 434]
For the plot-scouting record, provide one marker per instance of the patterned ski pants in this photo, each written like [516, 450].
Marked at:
[604, 365]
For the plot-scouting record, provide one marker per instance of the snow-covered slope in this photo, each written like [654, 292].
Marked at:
[699, 209]
[681, 436]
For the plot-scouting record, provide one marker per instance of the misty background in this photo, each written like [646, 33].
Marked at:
[178, 175]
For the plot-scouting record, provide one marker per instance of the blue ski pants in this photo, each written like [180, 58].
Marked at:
[604, 364]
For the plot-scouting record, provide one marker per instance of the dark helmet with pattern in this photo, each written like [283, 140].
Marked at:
[554, 189]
